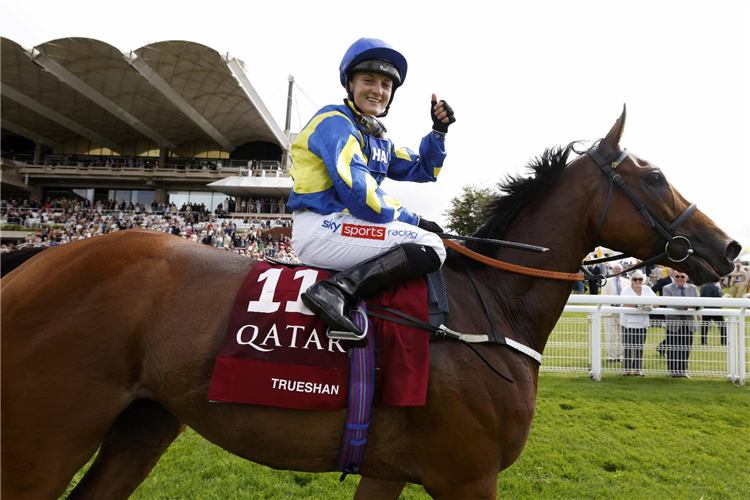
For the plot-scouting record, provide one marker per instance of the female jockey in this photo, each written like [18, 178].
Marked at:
[342, 218]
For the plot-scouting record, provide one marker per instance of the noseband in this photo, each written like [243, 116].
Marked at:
[652, 218]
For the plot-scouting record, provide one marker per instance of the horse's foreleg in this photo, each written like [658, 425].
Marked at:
[130, 449]
[378, 489]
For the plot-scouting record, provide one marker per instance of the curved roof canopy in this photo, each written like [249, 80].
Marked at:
[254, 186]
[168, 92]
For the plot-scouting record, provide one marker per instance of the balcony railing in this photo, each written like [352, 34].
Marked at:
[127, 172]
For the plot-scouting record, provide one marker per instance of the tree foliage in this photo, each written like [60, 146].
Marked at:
[465, 215]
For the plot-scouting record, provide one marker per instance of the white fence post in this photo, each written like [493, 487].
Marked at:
[596, 344]
[732, 373]
[741, 345]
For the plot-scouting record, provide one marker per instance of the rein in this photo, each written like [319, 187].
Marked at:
[514, 268]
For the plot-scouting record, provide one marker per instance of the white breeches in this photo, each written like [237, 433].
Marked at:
[340, 241]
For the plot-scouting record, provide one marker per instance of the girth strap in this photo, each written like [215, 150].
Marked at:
[484, 305]
[443, 331]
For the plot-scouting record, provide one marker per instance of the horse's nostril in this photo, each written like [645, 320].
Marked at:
[733, 250]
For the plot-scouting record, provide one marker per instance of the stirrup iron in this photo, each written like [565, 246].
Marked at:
[351, 336]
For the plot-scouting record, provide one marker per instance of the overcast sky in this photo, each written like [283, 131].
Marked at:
[521, 76]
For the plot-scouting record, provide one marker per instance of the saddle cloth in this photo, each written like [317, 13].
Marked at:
[276, 352]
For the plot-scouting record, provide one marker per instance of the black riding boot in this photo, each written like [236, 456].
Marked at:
[333, 298]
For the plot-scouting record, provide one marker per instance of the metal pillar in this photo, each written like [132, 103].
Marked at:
[288, 126]
[40, 151]
[163, 157]
[286, 157]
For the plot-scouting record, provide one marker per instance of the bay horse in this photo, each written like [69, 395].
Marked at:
[110, 344]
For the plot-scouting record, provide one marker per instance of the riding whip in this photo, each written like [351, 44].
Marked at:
[500, 243]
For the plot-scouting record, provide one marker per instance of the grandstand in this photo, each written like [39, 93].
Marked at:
[172, 122]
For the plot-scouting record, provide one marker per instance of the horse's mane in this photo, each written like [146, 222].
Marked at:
[519, 191]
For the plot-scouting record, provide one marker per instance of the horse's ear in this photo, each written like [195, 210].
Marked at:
[611, 143]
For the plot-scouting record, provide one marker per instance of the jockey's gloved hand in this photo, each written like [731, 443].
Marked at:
[439, 112]
[430, 226]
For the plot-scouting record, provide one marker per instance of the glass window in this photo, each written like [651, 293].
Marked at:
[198, 197]
[145, 198]
[121, 196]
[178, 197]
[87, 194]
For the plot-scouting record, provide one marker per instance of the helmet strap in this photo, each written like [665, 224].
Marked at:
[368, 124]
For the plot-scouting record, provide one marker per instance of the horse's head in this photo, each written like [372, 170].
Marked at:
[647, 216]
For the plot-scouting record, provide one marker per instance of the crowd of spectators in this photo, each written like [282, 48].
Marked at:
[62, 221]
[24, 208]
[625, 339]
[144, 162]
[21, 209]
[265, 205]
[130, 162]
[734, 284]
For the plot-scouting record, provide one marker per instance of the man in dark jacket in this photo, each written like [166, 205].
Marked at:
[658, 319]
[593, 284]
[680, 329]
[712, 290]
[662, 282]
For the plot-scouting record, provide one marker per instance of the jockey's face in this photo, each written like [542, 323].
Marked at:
[371, 92]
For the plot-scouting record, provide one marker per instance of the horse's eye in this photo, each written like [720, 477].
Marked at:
[654, 179]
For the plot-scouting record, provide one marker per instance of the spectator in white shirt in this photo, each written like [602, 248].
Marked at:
[635, 326]
[612, 334]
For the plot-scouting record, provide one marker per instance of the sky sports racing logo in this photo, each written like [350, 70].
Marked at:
[403, 233]
[329, 224]
[365, 232]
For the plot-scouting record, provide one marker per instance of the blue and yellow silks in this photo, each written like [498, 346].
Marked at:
[339, 168]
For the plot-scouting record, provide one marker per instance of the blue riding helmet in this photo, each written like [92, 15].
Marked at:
[365, 55]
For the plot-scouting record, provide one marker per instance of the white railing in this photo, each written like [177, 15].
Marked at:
[715, 345]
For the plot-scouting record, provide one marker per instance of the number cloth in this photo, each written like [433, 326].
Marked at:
[276, 352]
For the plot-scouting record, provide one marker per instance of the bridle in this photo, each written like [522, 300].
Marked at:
[651, 216]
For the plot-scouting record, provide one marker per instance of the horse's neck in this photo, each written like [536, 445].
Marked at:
[527, 308]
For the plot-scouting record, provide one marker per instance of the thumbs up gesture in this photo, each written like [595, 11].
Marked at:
[441, 114]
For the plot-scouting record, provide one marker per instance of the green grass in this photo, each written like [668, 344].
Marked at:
[627, 438]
